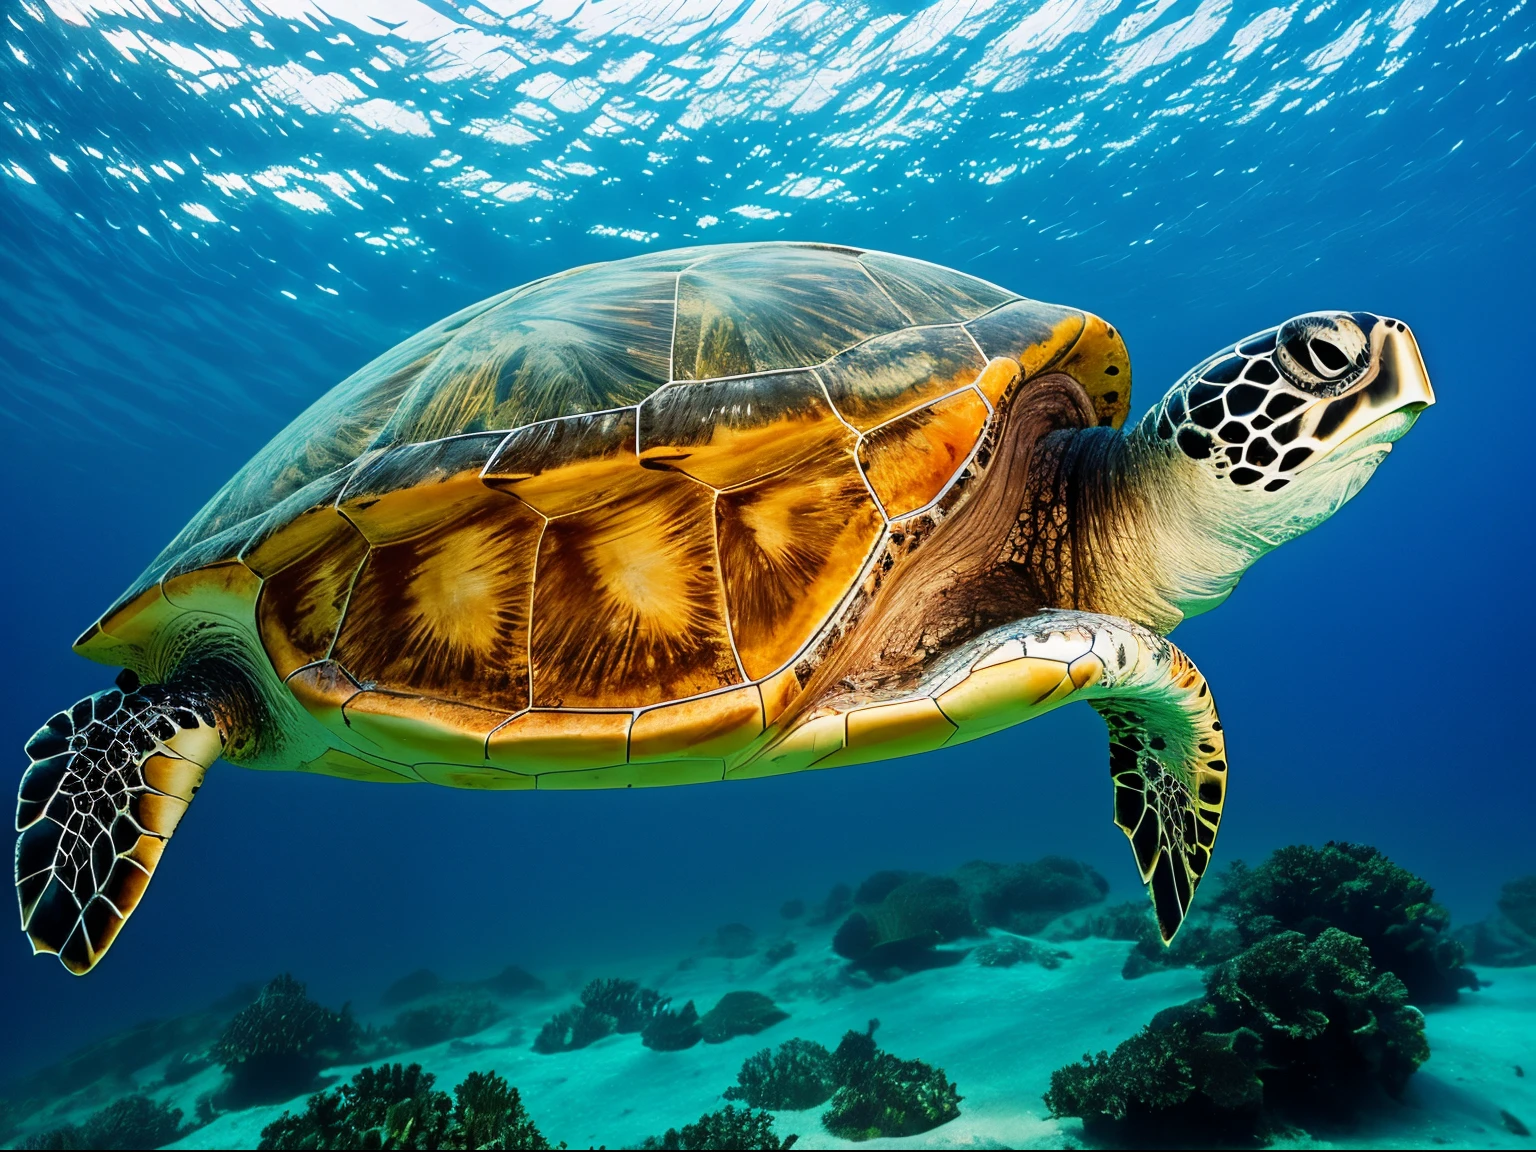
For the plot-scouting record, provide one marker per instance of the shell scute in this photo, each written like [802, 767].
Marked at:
[729, 432]
[627, 606]
[791, 546]
[406, 490]
[879, 380]
[770, 307]
[444, 613]
[911, 460]
[562, 466]
[300, 607]
[573, 343]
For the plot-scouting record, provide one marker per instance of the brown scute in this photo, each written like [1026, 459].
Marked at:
[405, 490]
[301, 523]
[1029, 331]
[574, 343]
[769, 307]
[729, 432]
[930, 294]
[627, 604]
[329, 435]
[910, 460]
[445, 612]
[889, 375]
[790, 547]
[300, 607]
[563, 466]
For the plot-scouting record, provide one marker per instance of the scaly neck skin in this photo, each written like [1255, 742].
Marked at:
[1129, 526]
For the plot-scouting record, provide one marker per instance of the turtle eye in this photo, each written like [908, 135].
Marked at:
[1322, 353]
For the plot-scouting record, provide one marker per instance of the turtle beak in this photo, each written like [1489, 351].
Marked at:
[1403, 367]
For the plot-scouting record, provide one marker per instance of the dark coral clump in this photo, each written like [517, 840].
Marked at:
[672, 1030]
[839, 900]
[462, 1013]
[1289, 1029]
[901, 930]
[1201, 943]
[1024, 898]
[607, 1006]
[740, 1014]
[798, 1075]
[416, 985]
[732, 1128]
[1354, 888]
[734, 941]
[1507, 939]
[880, 1095]
[1007, 951]
[132, 1122]
[513, 981]
[275, 1047]
[396, 1106]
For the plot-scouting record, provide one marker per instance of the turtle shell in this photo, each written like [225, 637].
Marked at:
[586, 529]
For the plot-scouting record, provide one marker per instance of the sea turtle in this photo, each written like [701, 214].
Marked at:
[712, 514]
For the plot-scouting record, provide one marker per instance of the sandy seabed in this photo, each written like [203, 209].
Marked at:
[997, 1032]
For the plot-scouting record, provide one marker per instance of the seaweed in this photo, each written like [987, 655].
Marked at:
[607, 1006]
[131, 1122]
[798, 1075]
[1289, 1029]
[275, 1047]
[881, 1095]
[740, 1014]
[396, 1106]
[1354, 888]
[728, 1128]
[672, 1030]
[462, 1013]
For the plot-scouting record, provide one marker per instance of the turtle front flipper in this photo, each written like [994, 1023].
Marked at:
[108, 783]
[1167, 754]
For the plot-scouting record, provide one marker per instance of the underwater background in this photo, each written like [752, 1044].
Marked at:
[213, 210]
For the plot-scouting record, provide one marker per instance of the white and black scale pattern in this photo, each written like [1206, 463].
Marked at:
[1266, 405]
[79, 809]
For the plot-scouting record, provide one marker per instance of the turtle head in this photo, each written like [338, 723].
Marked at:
[1272, 435]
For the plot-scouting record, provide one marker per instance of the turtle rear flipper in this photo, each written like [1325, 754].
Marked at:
[108, 783]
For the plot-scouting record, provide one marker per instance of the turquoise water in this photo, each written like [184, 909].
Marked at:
[211, 211]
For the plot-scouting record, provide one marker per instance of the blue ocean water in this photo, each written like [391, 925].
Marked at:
[212, 210]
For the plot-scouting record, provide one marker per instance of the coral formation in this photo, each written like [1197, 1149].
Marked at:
[899, 931]
[740, 1014]
[734, 1128]
[798, 1075]
[396, 1106]
[839, 900]
[734, 941]
[1010, 950]
[1199, 944]
[461, 1013]
[672, 1030]
[132, 1122]
[420, 983]
[1354, 888]
[275, 1047]
[777, 952]
[1506, 939]
[1024, 898]
[1288, 1029]
[607, 1006]
[513, 981]
[880, 1095]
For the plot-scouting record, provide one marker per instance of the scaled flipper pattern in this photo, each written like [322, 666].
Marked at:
[108, 783]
